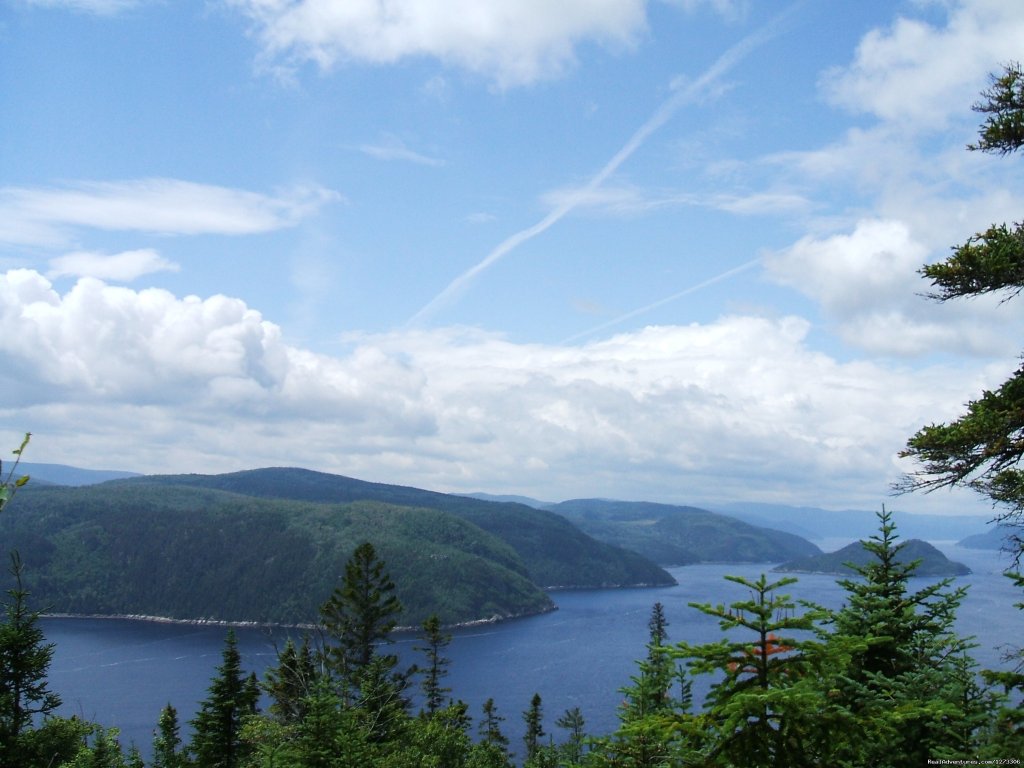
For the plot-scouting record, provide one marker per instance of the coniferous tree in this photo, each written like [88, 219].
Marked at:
[907, 679]
[290, 683]
[434, 643]
[983, 448]
[359, 614]
[768, 707]
[534, 719]
[216, 740]
[490, 726]
[24, 663]
[572, 721]
[167, 748]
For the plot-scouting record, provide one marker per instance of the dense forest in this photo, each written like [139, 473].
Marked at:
[674, 535]
[266, 545]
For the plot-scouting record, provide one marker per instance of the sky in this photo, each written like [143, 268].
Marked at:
[660, 250]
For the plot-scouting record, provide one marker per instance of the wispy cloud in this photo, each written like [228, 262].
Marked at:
[393, 148]
[46, 215]
[662, 302]
[631, 201]
[121, 267]
[684, 94]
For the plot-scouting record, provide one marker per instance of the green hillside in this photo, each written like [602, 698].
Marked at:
[933, 562]
[672, 535]
[189, 553]
[555, 552]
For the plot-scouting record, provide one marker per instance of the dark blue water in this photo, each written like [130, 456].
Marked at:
[121, 673]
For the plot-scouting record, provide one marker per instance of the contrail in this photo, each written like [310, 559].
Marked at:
[692, 289]
[662, 114]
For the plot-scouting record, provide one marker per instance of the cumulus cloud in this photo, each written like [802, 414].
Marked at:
[120, 267]
[45, 215]
[738, 408]
[512, 43]
[917, 75]
[868, 283]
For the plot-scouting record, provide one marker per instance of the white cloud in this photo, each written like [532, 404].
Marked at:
[630, 200]
[45, 215]
[876, 264]
[121, 267]
[917, 75]
[393, 148]
[512, 42]
[868, 283]
[739, 408]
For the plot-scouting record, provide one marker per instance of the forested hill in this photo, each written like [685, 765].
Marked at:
[191, 553]
[933, 562]
[674, 535]
[555, 552]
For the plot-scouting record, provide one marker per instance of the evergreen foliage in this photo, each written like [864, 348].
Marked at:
[24, 661]
[167, 746]
[359, 614]
[292, 681]
[534, 719]
[186, 553]
[982, 449]
[434, 642]
[216, 739]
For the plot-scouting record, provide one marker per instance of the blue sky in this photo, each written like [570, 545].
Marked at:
[658, 250]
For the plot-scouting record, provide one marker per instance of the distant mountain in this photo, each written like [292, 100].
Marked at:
[933, 562]
[555, 552]
[816, 523]
[996, 537]
[62, 474]
[672, 535]
[511, 498]
[142, 548]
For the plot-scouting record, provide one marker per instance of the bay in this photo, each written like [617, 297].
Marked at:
[121, 673]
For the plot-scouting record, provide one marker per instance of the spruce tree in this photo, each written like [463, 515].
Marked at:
[359, 614]
[167, 751]
[534, 719]
[572, 721]
[24, 662]
[490, 726]
[908, 678]
[434, 643]
[768, 706]
[983, 448]
[216, 740]
[290, 683]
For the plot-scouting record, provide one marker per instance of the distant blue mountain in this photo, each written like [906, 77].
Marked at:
[815, 523]
[996, 537]
[62, 474]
